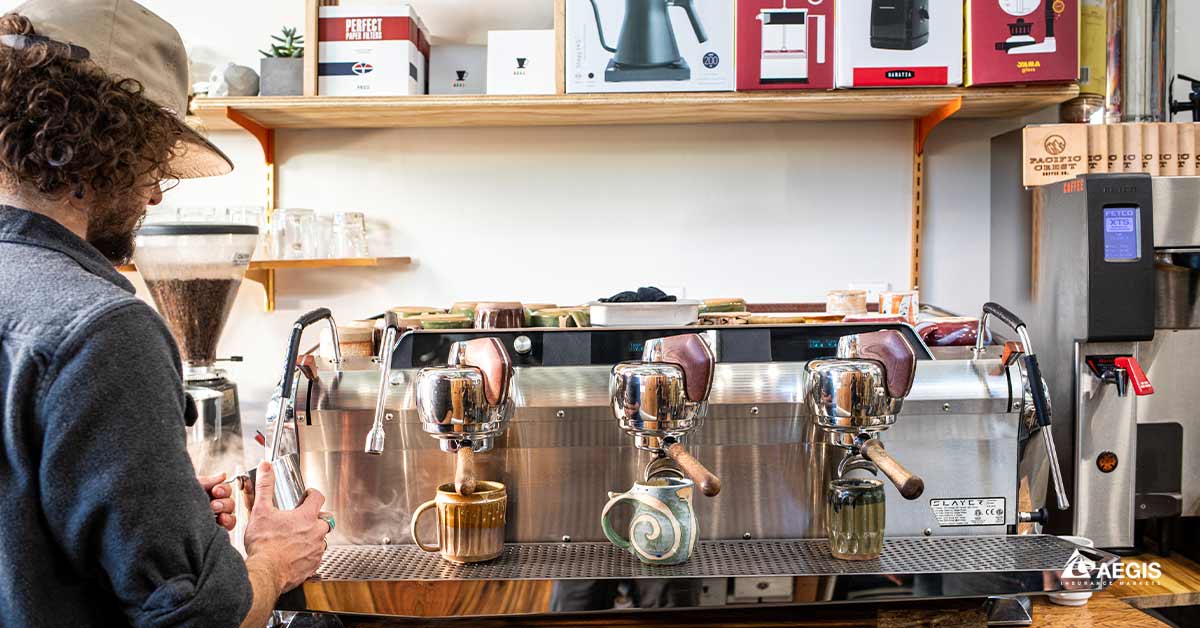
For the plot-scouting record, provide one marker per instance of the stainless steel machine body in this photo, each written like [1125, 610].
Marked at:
[964, 423]
[1091, 261]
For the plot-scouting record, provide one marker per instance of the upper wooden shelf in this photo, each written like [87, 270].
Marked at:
[281, 264]
[318, 112]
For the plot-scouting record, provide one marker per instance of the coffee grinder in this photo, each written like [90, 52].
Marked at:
[193, 271]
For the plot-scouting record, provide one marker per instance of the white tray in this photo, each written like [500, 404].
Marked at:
[665, 314]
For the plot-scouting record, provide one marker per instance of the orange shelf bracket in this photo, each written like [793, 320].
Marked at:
[266, 139]
[922, 127]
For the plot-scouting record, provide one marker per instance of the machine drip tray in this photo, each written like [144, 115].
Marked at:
[1009, 558]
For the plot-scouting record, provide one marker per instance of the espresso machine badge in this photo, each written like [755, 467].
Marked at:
[968, 511]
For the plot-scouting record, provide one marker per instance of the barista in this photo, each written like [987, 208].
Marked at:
[104, 521]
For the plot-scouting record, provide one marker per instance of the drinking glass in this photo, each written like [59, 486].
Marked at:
[299, 233]
[350, 235]
[325, 247]
[855, 514]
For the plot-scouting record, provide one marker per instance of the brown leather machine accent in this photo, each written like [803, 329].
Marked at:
[696, 359]
[899, 362]
[490, 357]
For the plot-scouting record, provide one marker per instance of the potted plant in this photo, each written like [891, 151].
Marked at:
[283, 65]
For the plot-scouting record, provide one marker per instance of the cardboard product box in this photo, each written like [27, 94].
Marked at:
[1054, 152]
[458, 69]
[1116, 148]
[1131, 138]
[671, 48]
[1097, 148]
[1022, 41]
[1149, 148]
[1168, 149]
[784, 45]
[1187, 149]
[899, 43]
[1093, 46]
[371, 49]
[521, 62]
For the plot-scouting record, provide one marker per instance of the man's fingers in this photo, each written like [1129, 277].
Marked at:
[313, 500]
[221, 505]
[220, 491]
[209, 481]
[264, 488]
[227, 521]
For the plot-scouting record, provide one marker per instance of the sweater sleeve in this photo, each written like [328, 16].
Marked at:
[117, 486]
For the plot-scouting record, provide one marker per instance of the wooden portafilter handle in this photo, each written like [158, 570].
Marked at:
[464, 470]
[910, 486]
[709, 483]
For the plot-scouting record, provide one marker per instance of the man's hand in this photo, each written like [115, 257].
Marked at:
[291, 541]
[220, 499]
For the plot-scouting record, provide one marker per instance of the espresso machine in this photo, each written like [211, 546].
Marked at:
[1108, 263]
[736, 396]
[646, 48]
[193, 272]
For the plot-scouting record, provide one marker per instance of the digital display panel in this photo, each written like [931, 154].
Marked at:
[1122, 234]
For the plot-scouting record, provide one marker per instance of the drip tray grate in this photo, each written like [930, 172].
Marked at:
[804, 557]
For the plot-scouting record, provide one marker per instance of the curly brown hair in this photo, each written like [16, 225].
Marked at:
[68, 127]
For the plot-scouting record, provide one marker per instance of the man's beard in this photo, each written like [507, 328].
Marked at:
[112, 231]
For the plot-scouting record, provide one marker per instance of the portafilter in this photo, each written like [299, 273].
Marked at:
[665, 395]
[468, 403]
[858, 395]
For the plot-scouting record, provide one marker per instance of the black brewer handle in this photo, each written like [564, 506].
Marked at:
[1041, 407]
[392, 320]
[318, 314]
[1003, 313]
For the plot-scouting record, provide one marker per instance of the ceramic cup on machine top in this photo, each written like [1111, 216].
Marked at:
[470, 527]
[854, 515]
[662, 530]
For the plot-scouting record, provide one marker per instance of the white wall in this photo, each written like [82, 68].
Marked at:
[766, 211]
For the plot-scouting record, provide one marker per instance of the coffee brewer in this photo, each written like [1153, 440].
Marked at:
[193, 271]
[646, 49]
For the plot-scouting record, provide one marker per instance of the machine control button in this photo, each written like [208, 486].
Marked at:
[1107, 461]
[522, 344]
[1137, 377]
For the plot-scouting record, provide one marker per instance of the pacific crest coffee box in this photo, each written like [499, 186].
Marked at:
[1131, 137]
[1097, 148]
[1187, 149]
[371, 49]
[1022, 41]
[784, 45]
[1150, 159]
[1168, 149]
[1116, 148]
[1054, 152]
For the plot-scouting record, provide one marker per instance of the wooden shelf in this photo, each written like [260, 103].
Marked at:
[263, 271]
[281, 264]
[318, 112]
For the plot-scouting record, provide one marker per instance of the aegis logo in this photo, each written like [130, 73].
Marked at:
[900, 75]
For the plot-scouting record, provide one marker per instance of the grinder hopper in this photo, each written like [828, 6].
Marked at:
[193, 271]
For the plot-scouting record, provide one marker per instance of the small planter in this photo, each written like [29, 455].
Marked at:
[282, 76]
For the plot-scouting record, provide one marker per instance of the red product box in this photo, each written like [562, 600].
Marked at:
[784, 44]
[1022, 41]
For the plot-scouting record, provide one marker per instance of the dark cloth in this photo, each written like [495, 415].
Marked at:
[643, 295]
[103, 522]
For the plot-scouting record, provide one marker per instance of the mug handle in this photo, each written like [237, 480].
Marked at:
[412, 528]
[652, 502]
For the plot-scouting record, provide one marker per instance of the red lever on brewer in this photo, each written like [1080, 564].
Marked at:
[1141, 385]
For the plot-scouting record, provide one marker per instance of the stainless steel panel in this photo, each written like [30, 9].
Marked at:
[1171, 362]
[1176, 212]
[563, 450]
[1104, 501]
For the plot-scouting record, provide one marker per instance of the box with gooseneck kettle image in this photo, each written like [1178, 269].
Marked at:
[650, 46]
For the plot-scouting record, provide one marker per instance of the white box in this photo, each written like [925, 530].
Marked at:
[703, 66]
[889, 43]
[521, 62]
[371, 49]
[458, 69]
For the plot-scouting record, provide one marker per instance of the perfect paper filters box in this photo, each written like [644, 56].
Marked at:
[372, 49]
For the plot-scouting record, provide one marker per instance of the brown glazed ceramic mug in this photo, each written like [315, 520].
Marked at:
[470, 527]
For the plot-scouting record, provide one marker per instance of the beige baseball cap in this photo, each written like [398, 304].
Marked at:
[128, 41]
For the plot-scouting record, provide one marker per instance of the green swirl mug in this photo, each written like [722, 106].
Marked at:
[662, 530]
